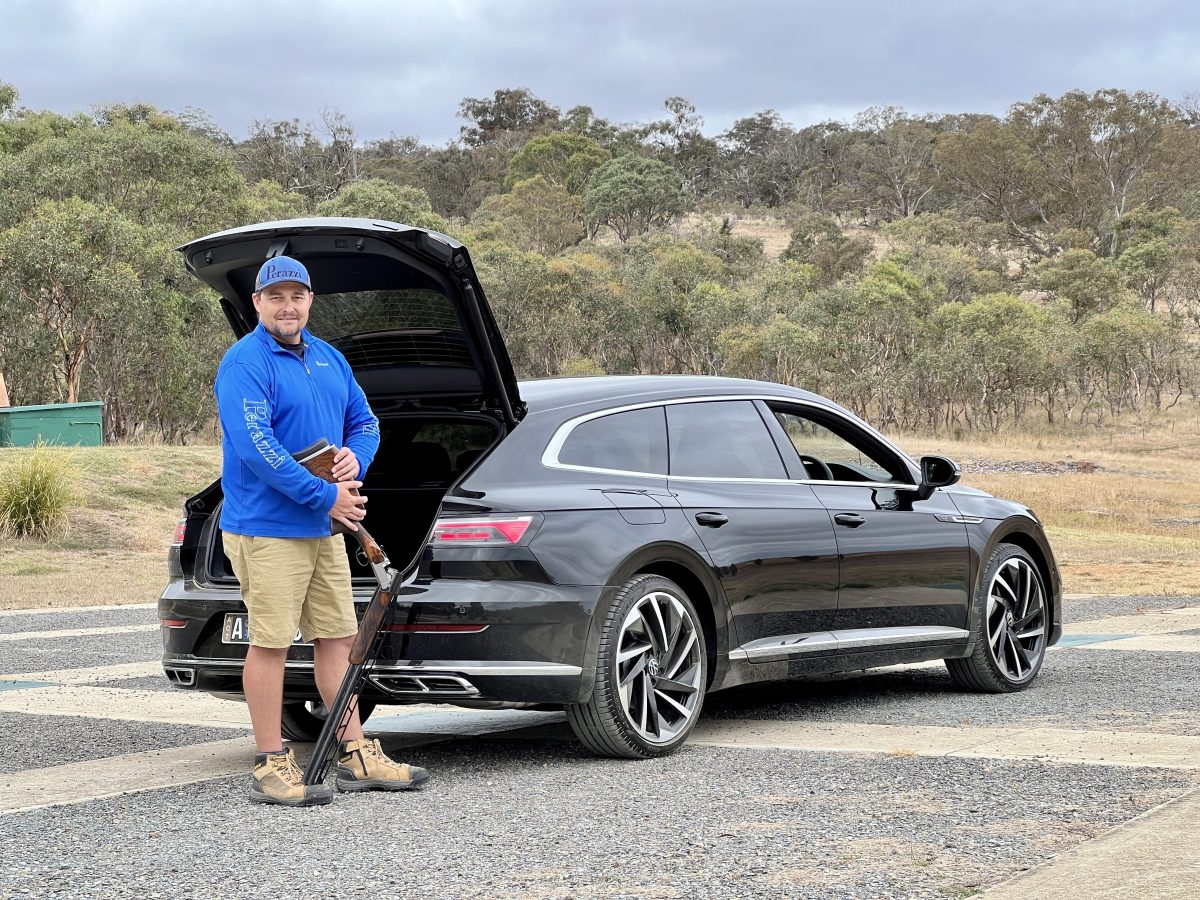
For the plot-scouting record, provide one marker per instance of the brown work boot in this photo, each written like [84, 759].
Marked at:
[278, 778]
[363, 766]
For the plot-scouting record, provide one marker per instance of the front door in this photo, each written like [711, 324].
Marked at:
[904, 560]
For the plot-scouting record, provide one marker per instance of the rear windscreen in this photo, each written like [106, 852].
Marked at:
[412, 326]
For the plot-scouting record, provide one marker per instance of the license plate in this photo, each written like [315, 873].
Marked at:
[237, 631]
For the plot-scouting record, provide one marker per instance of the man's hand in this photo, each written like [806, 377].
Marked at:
[345, 464]
[349, 508]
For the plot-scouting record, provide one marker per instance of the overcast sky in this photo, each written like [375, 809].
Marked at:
[401, 67]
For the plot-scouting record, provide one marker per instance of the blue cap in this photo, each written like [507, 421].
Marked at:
[281, 268]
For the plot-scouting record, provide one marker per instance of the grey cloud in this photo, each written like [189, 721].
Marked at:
[402, 68]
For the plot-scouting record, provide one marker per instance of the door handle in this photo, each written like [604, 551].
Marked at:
[850, 520]
[711, 519]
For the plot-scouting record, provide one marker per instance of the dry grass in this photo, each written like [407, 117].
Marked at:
[1131, 525]
[114, 550]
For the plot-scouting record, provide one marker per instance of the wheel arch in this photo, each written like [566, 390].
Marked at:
[1021, 532]
[682, 565]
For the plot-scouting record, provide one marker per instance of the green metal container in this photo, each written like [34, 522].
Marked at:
[62, 424]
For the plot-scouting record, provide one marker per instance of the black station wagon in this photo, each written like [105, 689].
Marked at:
[617, 547]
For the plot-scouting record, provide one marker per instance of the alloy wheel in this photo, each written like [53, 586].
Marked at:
[1016, 619]
[659, 668]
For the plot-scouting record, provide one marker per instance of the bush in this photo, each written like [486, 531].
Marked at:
[35, 492]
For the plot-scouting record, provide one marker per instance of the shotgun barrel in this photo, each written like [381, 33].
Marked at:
[317, 458]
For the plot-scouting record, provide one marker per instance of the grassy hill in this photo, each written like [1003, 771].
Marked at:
[128, 499]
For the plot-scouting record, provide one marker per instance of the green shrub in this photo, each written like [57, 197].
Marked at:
[35, 493]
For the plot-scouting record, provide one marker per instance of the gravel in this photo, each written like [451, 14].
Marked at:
[63, 619]
[35, 742]
[1084, 609]
[144, 683]
[1077, 688]
[511, 818]
[535, 817]
[987, 466]
[45, 654]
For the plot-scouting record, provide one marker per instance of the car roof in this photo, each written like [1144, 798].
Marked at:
[547, 394]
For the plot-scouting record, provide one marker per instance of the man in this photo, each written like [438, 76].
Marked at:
[280, 389]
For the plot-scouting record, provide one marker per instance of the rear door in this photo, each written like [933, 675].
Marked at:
[402, 304]
[770, 539]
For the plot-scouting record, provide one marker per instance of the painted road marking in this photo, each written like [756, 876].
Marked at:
[1154, 643]
[1059, 745]
[9, 684]
[1156, 854]
[91, 674]
[1083, 640]
[95, 779]
[78, 632]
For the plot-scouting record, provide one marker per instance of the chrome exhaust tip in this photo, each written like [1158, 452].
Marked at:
[407, 685]
[180, 676]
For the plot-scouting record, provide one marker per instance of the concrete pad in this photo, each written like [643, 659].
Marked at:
[842, 737]
[82, 609]
[1158, 621]
[1059, 745]
[155, 769]
[1155, 855]
[77, 632]
[94, 779]
[1157, 643]
[91, 674]
[175, 707]
[1092, 747]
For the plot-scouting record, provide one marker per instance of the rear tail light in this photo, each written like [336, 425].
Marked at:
[173, 623]
[484, 531]
[180, 531]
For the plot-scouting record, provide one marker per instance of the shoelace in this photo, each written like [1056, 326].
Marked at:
[375, 751]
[287, 768]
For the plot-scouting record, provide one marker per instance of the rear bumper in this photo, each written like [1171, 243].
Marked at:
[532, 647]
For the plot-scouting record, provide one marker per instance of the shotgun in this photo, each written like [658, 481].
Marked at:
[318, 459]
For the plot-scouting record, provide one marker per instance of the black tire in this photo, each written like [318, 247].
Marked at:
[653, 624]
[1009, 634]
[302, 719]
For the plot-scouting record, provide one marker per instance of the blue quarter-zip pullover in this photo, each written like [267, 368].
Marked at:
[273, 403]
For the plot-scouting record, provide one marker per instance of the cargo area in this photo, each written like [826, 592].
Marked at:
[420, 456]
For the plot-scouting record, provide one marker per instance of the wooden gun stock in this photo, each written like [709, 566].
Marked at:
[318, 460]
[368, 628]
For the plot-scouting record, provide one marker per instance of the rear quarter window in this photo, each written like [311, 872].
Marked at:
[631, 441]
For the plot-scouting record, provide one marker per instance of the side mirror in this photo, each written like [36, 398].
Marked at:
[936, 472]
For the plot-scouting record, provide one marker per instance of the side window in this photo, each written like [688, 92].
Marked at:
[827, 455]
[633, 441]
[721, 439]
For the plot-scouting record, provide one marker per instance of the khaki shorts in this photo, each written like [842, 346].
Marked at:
[290, 583]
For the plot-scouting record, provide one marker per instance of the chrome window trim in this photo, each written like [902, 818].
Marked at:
[849, 639]
[563, 432]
